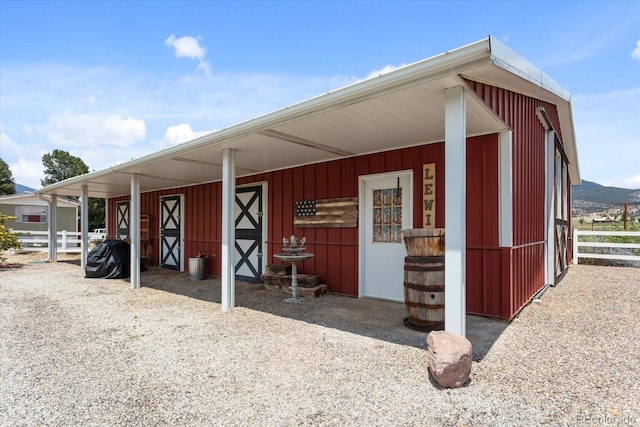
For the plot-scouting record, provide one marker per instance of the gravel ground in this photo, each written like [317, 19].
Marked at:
[78, 351]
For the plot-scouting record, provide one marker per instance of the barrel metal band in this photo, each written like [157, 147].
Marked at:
[426, 306]
[425, 288]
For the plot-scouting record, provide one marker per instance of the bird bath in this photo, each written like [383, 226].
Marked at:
[293, 258]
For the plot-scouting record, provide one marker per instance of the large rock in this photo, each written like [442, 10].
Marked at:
[449, 358]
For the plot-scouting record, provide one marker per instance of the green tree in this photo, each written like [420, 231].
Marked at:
[8, 239]
[96, 213]
[61, 165]
[7, 183]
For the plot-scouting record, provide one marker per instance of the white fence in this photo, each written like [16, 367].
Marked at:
[68, 241]
[617, 251]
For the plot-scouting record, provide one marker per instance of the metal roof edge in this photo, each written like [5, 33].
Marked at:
[432, 66]
[50, 189]
[505, 58]
[486, 50]
[509, 60]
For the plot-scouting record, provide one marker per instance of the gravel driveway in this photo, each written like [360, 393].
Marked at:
[78, 351]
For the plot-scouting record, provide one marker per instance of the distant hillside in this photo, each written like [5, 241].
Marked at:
[24, 189]
[591, 197]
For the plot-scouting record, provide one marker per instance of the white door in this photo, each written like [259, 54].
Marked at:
[385, 210]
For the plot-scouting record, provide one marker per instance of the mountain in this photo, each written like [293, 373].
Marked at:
[24, 189]
[591, 197]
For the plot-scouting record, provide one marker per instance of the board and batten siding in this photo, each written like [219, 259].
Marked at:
[500, 280]
[522, 265]
[336, 249]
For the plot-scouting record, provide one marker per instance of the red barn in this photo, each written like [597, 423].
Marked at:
[476, 140]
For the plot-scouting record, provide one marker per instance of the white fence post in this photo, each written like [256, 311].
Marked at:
[576, 233]
[64, 239]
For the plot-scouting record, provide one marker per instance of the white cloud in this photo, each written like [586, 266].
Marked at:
[632, 183]
[384, 70]
[66, 130]
[189, 47]
[28, 172]
[7, 145]
[181, 133]
[636, 52]
[47, 107]
[25, 171]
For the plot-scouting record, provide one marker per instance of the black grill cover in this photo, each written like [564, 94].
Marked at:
[110, 260]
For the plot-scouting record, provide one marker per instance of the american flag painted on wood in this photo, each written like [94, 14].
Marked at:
[326, 213]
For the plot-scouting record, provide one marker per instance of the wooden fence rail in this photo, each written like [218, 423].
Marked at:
[605, 243]
[39, 241]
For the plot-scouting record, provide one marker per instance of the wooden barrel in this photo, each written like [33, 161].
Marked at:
[424, 292]
[424, 241]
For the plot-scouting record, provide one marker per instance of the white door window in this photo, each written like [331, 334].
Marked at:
[385, 210]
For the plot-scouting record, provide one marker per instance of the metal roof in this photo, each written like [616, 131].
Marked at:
[402, 108]
[32, 199]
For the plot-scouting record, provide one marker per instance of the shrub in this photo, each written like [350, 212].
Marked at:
[8, 238]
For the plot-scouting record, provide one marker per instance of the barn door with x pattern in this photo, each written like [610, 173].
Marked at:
[170, 231]
[122, 220]
[248, 220]
[562, 215]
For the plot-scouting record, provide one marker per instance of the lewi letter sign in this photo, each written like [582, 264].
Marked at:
[429, 195]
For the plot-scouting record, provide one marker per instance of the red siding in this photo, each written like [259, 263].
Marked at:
[499, 280]
[336, 249]
[525, 268]
[483, 261]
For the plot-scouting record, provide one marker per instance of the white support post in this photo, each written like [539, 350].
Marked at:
[134, 231]
[84, 225]
[228, 228]
[455, 210]
[106, 218]
[550, 210]
[506, 189]
[53, 229]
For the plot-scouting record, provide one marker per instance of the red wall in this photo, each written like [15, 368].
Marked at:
[500, 281]
[336, 249]
[483, 263]
[523, 265]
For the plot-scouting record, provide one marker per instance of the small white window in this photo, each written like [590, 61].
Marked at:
[31, 214]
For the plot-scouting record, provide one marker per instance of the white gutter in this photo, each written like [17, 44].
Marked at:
[488, 50]
[447, 63]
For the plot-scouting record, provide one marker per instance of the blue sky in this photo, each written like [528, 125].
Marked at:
[112, 81]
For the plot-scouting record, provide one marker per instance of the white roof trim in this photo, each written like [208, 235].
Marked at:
[509, 60]
[24, 197]
[438, 69]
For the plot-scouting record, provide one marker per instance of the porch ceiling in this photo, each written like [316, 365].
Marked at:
[398, 109]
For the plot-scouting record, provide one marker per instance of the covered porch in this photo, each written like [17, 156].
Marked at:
[422, 103]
